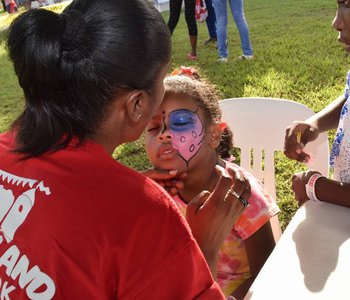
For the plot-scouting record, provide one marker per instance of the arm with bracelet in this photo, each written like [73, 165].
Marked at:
[311, 185]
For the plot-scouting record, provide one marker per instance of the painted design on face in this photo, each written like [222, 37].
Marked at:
[187, 132]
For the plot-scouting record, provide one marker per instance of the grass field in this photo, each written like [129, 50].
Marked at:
[297, 57]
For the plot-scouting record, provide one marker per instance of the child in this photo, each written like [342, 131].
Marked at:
[311, 185]
[185, 135]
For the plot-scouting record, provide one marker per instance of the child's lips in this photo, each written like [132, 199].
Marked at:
[346, 47]
[346, 44]
[167, 152]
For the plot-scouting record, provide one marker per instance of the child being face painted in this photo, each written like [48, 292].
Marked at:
[188, 135]
[176, 137]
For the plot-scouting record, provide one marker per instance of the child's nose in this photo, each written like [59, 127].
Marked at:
[165, 135]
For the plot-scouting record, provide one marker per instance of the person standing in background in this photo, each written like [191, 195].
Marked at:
[211, 23]
[237, 10]
[10, 6]
[175, 10]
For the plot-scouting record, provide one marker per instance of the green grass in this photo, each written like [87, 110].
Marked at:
[297, 57]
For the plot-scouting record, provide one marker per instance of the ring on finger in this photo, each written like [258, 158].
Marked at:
[234, 193]
[244, 201]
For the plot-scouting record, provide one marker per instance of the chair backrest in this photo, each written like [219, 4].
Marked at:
[259, 126]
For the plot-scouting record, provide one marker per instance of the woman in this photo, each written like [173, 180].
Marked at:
[75, 224]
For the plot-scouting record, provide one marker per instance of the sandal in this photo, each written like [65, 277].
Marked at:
[209, 40]
[191, 56]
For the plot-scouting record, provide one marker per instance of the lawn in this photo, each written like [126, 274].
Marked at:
[297, 57]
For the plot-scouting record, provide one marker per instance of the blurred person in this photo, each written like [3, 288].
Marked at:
[211, 23]
[11, 6]
[237, 10]
[175, 10]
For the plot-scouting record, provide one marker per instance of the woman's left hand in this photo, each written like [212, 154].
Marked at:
[211, 216]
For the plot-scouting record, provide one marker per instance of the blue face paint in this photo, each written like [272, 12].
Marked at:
[187, 131]
[182, 120]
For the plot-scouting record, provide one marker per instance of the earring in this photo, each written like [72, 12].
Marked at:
[138, 117]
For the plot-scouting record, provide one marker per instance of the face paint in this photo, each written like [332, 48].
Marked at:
[187, 131]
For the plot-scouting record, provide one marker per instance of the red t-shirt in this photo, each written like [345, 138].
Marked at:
[75, 224]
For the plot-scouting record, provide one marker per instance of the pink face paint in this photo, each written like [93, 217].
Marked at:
[187, 132]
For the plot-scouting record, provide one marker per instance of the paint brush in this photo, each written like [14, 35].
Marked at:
[298, 136]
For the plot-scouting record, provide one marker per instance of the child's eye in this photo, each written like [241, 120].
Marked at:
[181, 120]
[152, 129]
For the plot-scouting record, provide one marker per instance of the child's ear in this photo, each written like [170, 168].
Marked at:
[215, 135]
[137, 105]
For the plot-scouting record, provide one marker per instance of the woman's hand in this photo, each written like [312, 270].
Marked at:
[299, 180]
[211, 216]
[293, 148]
[169, 180]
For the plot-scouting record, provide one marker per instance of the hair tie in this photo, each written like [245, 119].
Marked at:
[223, 126]
[74, 31]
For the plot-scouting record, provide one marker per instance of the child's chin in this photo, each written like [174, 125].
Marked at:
[173, 166]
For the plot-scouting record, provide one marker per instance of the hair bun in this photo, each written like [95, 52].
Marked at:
[74, 31]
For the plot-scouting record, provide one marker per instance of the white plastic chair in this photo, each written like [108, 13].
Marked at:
[259, 126]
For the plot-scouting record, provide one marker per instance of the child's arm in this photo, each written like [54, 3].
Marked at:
[258, 246]
[326, 190]
[309, 130]
[328, 118]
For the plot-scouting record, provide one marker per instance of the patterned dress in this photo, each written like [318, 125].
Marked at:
[233, 266]
[340, 155]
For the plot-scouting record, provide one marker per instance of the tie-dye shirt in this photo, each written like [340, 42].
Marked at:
[233, 266]
[340, 155]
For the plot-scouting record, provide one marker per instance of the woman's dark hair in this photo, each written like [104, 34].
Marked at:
[187, 81]
[72, 65]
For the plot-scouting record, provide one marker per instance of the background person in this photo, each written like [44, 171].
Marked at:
[211, 23]
[11, 6]
[237, 9]
[175, 10]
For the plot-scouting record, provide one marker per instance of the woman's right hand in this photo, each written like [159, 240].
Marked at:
[294, 149]
[211, 216]
[169, 180]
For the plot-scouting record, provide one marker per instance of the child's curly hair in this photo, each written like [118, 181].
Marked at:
[188, 82]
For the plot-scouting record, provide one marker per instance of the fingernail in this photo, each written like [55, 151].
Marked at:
[173, 172]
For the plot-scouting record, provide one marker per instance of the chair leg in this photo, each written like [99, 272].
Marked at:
[276, 228]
